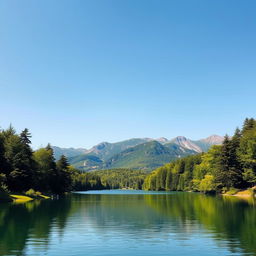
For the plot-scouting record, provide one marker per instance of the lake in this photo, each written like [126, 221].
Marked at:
[120, 222]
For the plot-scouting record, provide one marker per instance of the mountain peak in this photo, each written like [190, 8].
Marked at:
[213, 139]
[161, 139]
[186, 143]
[181, 138]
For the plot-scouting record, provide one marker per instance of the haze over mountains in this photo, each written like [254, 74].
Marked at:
[136, 153]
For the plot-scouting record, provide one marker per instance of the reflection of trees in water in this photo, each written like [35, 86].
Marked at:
[113, 211]
[19, 222]
[228, 219]
[136, 216]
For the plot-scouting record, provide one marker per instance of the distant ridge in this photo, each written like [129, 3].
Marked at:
[135, 153]
[213, 139]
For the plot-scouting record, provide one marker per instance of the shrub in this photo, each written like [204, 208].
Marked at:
[32, 193]
[232, 191]
[207, 184]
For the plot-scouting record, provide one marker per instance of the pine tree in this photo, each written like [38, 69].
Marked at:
[3, 163]
[235, 163]
[18, 155]
[248, 124]
[46, 169]
[63, 177]
[227, 175]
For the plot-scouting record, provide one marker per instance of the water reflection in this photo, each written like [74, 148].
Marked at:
[114, 224]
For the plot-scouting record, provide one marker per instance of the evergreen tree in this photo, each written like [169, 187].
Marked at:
[18, 155]
[63, 179]
[235, 163]
[3, 163]
[227, 175]
[248, 124]
[46, 169]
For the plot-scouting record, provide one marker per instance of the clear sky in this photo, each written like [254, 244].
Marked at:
[80, 72]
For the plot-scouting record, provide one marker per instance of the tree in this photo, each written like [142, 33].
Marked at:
[207, 184]
[247, 150]
[250, 177]
[3, 163]
[248, 125]
[46, 169]
[18, 154]
[63, 179]
[235, 163]
[227, 176]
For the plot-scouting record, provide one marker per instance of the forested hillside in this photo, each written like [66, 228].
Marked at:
[230, 165]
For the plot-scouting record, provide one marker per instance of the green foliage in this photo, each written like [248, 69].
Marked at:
[108, 179]
[249, 176]
[146, 156]
[207, 184]
[32, 193]
[232, 191]
[174, 176]
[86, 181]
[107, 150]
[131, 154]
[231, 165]
[22, 169]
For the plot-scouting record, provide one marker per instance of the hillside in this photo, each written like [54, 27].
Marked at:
[106, 150]
[146, 156]
[136, 153]
[86, 162]
[68, 152]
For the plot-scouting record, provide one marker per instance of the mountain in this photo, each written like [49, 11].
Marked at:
[140, 153]
[213, 140]
[206, 143]
[180, 151]
[198, 145]
[68, 152]
[161, 140]
[86, 162]
[185, 143]
[146, 156]
[106, 150]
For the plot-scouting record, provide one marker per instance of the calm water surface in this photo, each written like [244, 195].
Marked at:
[129, 223]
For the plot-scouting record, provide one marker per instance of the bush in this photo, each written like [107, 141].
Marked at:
[207, 184]
[232, 191]
[32, 193]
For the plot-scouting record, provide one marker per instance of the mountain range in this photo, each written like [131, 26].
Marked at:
[136, 153]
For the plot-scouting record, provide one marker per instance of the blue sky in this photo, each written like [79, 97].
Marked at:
[80, 72]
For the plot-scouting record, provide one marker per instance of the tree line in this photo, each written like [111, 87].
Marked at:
[109, 179]
[231, 165]
[223, 167]
[24, 170]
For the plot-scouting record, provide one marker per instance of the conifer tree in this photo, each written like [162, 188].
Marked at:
[63, 179]
[18, 155]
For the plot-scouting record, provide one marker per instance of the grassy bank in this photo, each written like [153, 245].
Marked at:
[246, 193]
[21, 197]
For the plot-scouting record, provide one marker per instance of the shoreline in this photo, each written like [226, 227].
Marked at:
[20, 197]
[243, 194]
